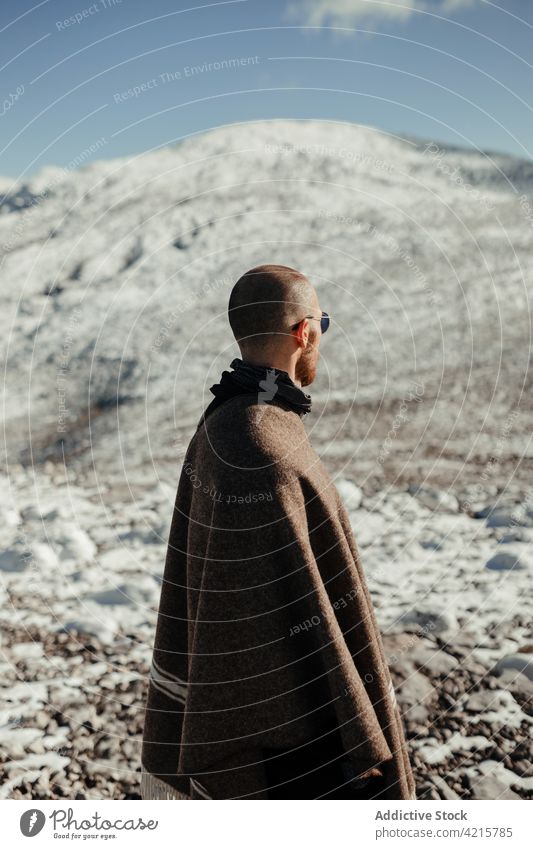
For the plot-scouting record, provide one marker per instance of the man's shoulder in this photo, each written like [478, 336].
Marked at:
[263, 427]
[244, 447]
[246, 407]
[244, 443]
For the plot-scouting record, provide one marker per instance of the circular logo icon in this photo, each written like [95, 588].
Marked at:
[32, 822]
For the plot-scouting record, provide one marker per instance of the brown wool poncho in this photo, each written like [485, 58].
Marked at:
[266, 627]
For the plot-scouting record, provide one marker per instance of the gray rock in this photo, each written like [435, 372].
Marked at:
[431, 544]
[111, 595]
[473, 667]
[479, 702]
[417, 714]
[415, 690]
[445, 792]
[398, 646]
[516, 682]
[433, 660]
[505, 561]
[435, 499]
[501, 513]
[490, 787]
[505, 517]
[435, 621]
[515, 535]
[13, 560]
[522, 662]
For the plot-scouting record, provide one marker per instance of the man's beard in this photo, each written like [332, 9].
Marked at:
[305, 369]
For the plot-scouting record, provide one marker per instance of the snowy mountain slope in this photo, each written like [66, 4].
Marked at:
[117, 276]
[115, 281]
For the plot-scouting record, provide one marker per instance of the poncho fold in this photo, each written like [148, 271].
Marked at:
[266, 630]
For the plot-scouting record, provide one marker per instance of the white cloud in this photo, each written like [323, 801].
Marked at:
[455, 5]
[348, 13]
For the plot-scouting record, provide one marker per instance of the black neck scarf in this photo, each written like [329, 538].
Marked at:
[268, 383]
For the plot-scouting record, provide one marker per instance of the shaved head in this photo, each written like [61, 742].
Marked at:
[273, 310]
[265, 302]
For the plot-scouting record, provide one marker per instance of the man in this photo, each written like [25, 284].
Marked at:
[269, 678]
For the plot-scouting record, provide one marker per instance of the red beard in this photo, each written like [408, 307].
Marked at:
[305, 369]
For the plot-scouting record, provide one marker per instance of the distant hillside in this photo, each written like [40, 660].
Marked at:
[116, 278]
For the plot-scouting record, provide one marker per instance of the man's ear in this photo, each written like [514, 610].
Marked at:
[302, 333]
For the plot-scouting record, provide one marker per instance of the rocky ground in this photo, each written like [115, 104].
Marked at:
[81, 571]
[73, 721]
[77, 736]
[468, 727]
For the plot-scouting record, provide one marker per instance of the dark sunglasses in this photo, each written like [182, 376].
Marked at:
[324, 321]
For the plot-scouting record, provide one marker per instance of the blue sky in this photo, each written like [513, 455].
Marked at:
[458, 71]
